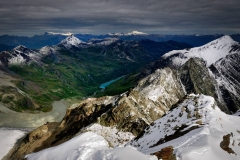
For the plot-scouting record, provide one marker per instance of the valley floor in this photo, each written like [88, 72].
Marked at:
[21, 121]
[9, 118]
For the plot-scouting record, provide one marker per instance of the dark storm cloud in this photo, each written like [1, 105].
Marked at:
[103, 16]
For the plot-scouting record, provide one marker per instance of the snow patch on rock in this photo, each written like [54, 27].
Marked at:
[111, 134]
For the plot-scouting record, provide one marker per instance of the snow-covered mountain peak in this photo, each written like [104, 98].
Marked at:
[71, 41]
[226, 38]
[20, 48]
[210, 52]
[224, 41]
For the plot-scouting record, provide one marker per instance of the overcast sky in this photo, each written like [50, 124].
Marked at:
[29, 17]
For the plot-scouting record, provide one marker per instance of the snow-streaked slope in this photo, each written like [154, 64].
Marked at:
[210, 52]
[8, 137]
[24, 54]
[226, 72]
[195, 129]
[71, 41]
[48, 50]
[88, 146]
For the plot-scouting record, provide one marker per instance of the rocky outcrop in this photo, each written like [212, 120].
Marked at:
[130, 112]
[166, 153]
[225, 144]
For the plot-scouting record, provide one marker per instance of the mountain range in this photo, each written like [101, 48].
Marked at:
[51, 38]
[171, 108]
[72, 68]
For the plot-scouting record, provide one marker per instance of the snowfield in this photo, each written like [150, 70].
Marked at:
[204, 125]
[89, 146]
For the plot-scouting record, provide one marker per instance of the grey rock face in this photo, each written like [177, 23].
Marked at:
[227, 74]
[196, 78]
[153, 96]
